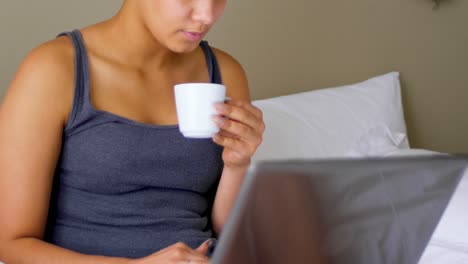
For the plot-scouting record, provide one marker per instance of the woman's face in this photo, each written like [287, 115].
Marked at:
[180, 25]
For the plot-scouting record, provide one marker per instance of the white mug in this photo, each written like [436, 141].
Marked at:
[195, 108]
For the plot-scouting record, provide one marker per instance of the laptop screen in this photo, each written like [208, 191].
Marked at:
[339, 211]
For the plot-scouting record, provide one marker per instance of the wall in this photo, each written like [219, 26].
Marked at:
[25, 24]
[292, 46]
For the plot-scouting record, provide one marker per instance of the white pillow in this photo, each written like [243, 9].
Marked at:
[378, 141]
[328, 122]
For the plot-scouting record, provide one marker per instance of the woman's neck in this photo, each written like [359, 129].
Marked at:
[133, 42]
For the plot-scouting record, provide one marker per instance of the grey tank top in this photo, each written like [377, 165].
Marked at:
[128, 189]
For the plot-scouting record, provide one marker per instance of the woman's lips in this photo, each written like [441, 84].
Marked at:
[193, 36]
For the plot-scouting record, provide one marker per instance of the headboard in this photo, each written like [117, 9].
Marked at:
[293, 46]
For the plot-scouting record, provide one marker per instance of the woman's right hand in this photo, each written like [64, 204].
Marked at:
[178, 253]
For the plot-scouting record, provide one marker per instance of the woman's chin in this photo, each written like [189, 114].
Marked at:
[184, 47]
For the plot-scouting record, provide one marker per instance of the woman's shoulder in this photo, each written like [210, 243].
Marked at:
[51, 58]
[46, 74]
[233, 74]
[227, 61]
[50, 62]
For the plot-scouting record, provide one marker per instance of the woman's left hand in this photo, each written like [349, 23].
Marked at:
[241, 131]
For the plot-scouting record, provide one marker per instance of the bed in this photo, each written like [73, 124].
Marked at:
[364, 119]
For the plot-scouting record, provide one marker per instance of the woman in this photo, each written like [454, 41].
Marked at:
[93, 168]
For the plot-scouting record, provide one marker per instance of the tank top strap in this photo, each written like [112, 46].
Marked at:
[81, 93]
[212, 62]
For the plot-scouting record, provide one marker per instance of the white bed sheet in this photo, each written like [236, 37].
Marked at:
[449, 243]
[441, 254]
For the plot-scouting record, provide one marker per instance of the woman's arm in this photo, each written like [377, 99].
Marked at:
[241, 134]
[32, 118]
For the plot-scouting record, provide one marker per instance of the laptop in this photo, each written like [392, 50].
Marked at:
[339, 211]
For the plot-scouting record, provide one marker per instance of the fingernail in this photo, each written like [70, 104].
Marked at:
[219, 106]
[218, 120]
[210, 241]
